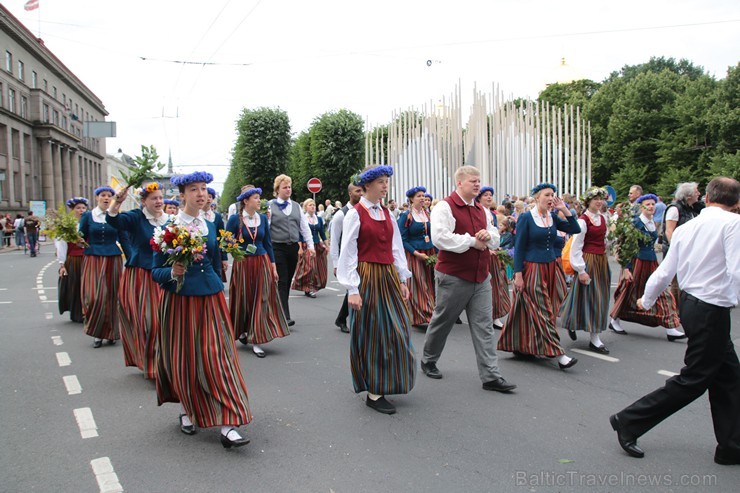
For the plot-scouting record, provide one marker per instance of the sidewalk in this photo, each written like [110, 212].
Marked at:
[13, 248]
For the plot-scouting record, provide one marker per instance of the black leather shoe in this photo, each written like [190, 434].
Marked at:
[600, 349]
[499, 385]
[243, 339]
[572, 334]
[187, 429]
[291, 323]
[498, 326]
[620, 332]
[111, 342]
[676, 338]
[97, 344]
[227, 443]
[430, 369]
[310, 294]
[724, 458]
[458, 321]
[628, 444]
[423, 327]
[342, 326]
[569, 364]
[381, 405]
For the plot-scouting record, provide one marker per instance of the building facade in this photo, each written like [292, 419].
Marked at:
[44, 154]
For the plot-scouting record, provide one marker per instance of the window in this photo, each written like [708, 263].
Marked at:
[24, 107]
[21, 70]
[9, 61]
[64, 122]
[54, 92]
[11, 100]
[2, 103]
[64, 99]
[46, 86]
[34, 79]
[56, 118]
[46, 113]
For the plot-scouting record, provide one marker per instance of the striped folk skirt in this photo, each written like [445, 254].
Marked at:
[586, 307]
[421, 287]
[381, 354]
[531, 328]
[138, 306]
[561, 283]
[664, 313]
[253, 301]
[312, 270]
[69, 289]
[499, 288]
[100, 279]
[197, 363]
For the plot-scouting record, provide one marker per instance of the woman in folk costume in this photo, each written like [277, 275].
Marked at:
[312, 270]
[499, 281]
[416, 234]
[587, 305]
[198, 365]
[634, 278]
[217, 219]
[138, 294]
[70, 256]
[530, 330]
[101, 271]
[372, 267]
[171, 207]
[254, 304]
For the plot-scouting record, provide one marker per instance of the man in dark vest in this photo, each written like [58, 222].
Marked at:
[463, 236]
[337, 225]
[287, 226]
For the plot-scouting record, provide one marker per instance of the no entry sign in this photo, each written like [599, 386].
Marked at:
[314, 185]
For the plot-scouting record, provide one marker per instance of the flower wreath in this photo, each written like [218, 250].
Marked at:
[248, 193]
[593, 193]
[413, 191]
[195, 177]
[149, 188]
[77, 200]
[371, 175]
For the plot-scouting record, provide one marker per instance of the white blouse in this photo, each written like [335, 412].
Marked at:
[649, 223]
[347, 274]
[576, 249]
[98, 215]
[251, 221]
[183, 219]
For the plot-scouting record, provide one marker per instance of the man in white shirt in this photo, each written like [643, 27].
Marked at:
[337, 226]
[705, 255]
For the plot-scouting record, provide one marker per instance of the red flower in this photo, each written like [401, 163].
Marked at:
[169, 237]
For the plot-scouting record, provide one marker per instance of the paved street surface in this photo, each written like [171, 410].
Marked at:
[76, 420]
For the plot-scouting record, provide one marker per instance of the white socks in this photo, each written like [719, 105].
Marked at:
[615, 324]
[230, 433]
[673, 332]
[185, 419]
[257, 349]
[563, 359]
[373, 397]
[596, 340]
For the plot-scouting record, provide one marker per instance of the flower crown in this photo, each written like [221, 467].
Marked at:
[212, 192]
[77, 200]
[484, 190]
[647, 196]
[372, 175]
[593, 193]
[104, 188]
[429, 196]
[172, 202]
[413, 191]
[248, 193]
[543, 186]
[195, 177]
[149, 188]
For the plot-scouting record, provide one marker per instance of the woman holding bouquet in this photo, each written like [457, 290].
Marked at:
[253, 297]
[372, 267]
[70, 257]
[101, 271]
[312, 272]
[198, 365]
[499, 281]
[138, 294]
[416, 234]
[530, 330]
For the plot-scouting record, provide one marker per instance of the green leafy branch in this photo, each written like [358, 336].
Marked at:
[625, 237]
[146, 168]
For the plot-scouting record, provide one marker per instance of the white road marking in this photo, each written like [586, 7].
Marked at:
[74, 387]
[3, 289]
[41, 291]
[57, 340]
[331, 289]
[667, 373]
[42, 298]
[43, 287]
[5, 302]
[84, 417]
[63, 359]
[595, 355]
[105, 475]
[49, 315]
[340, 295]
[50, 301]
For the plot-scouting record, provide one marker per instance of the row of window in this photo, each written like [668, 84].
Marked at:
[34, 81]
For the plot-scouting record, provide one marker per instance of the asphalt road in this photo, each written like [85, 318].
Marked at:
[311, 432]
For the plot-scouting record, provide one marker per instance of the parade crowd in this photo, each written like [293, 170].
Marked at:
[524, 271]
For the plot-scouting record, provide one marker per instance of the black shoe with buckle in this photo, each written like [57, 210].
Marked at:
[598, 349]
[572, 334]
[291, 322]
[499, 385]
[97, 343]
[310, 294]
[627, 443]
[430, 369]
[676, 338]
[381, 405]
[228, 443]
[187, 429]
[569, 364]
[243, 339]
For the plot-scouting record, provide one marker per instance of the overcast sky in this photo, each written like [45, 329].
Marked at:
[370, 57]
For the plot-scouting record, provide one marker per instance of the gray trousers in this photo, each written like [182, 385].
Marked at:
[453, 296]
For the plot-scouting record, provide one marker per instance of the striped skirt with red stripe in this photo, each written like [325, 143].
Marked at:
[69, 289]
[664, 313]
[421, 287]
[531, 328]
[197, 363]
[253, 301]
[100, 279]
[381, 354]
[586, 307]
[312, 270]
[561, 283]
[138, 307]
[499, 288]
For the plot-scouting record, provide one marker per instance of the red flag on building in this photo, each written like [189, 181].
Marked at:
[31, 5]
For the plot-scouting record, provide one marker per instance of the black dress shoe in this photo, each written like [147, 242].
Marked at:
[498, 326]
[569, 364]
[458, 321]
[310, 294]
[676, 338]
[291, 323]
[572, 334]
[187, 429]
[423, 327]
[620, 332]
[724, 458]
[243, 339]
[628, 444]
[499, 385]
[381, 405]
[342, 327]
[111, 342]
[598, 349]
[430, 369]
[97, 344]
[228, 443]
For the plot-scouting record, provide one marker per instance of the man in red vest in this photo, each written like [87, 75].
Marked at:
[463, 236]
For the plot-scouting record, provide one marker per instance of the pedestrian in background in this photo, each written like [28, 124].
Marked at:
[20, 236]
[335, 247]
[70, 257]
[31, 226]
[312, 270]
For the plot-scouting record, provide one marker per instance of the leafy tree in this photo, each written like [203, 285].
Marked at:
[300, 162]
[576, 93]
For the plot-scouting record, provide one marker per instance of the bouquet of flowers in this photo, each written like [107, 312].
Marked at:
[506, 257]
[625, 237]
[229, 244]
[431, 259]
[181, 244]
[62, 225]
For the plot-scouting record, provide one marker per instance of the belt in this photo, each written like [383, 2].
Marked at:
[693, 298]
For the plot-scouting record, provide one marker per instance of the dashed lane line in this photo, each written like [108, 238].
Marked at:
[57, 340]
[86, 422]
[595, 355]
[48, 315]
[105, 475]
[63, 359]
[74, 387]
[667, 373]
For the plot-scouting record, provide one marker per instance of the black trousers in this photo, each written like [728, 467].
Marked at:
[286, 260]
[344, 311]
[711, 364]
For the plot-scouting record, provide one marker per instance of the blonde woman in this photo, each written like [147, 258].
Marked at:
[311, 272]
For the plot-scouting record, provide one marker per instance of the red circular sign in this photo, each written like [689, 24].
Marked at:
[314, 185]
